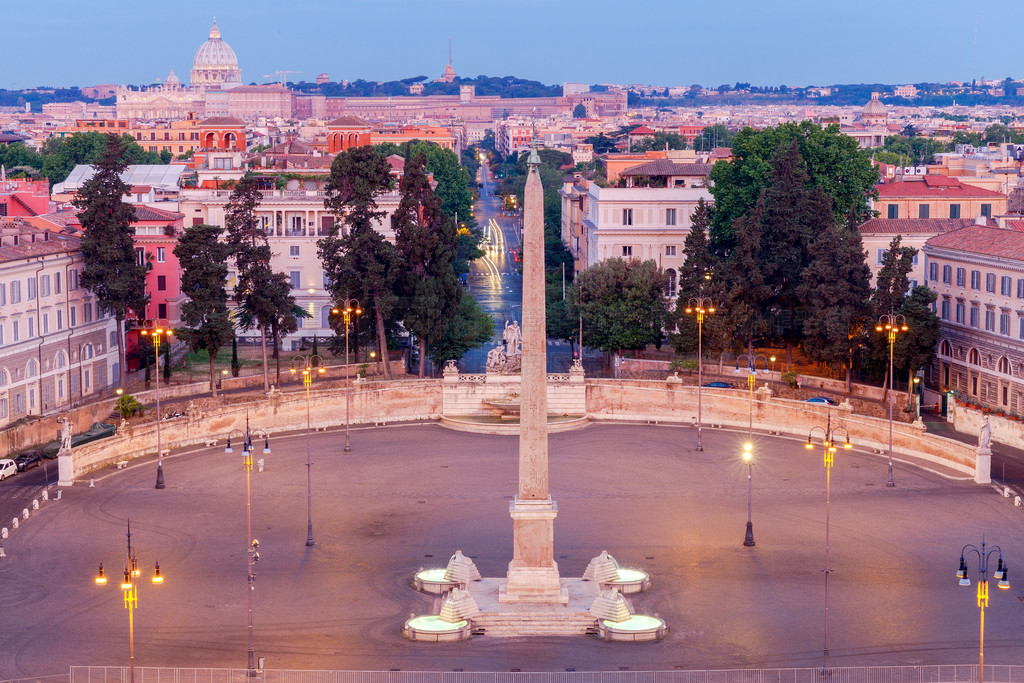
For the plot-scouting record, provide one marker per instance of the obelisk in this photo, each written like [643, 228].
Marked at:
[533, 573]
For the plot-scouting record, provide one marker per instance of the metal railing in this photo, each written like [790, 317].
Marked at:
[952, 673]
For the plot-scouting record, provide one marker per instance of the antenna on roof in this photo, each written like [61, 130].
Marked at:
[449, 49]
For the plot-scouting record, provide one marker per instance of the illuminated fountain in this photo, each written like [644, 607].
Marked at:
[459, 572]
[615, 621]
[605, 571]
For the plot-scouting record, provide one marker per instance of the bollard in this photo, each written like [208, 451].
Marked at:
[1016, 501]
[14, 523]
[46, 496]
[92, 483]
[1006, 492]
[259, 464]
[24, 513]
[35, 504]
[3, 532]
[57, 497]
[2, 553]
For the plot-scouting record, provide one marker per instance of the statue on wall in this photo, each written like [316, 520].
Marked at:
[496, 359]
[65, 433]
[985, 436]
[513, 338]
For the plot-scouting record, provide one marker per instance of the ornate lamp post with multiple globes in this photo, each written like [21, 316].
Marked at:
[829, 434]
[1000, 575]
[310, 364]
[156, 330]
[891, 325]
[700, 306]
[347, 308]
[130, 587]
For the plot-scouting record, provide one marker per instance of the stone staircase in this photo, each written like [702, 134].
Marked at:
[512, 624]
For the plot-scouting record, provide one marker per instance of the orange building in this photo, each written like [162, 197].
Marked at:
[346, 132]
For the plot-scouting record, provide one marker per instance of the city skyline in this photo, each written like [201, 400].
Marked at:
[878, 43]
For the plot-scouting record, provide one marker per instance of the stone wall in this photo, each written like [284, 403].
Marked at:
[466, 394]
[36, 432]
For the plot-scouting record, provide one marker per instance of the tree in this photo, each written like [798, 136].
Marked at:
[426, 241]
[834, 289]
[579, 112]
[602, 143]
[471, 327]
[360, 263]
[831, 160]
[623, 304]
[914, 350]
[112, 270]
[713, 136]
[251, 251]
[660, 141]
[203, 259]
[891, 286]
[694, 275]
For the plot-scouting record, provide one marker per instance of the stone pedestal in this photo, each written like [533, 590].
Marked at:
[65, 468]
[983, 466]
[533, 573]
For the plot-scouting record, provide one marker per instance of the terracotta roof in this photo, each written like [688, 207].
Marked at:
[141, 189]
[148, 213]
[914, 226]
[642, 130]
[55, 243]
[348, 122]
[221, 121]
[936, 190]
[290, 147]
[665, 167]
[397, 162]
[977, 239]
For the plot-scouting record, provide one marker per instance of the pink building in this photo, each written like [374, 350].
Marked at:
[156, 235]
[24, 197]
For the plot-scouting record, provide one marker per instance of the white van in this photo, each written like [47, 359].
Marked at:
[7, 468]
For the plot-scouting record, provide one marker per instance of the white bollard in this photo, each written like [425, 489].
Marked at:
[57, 497]
[46, 496]
[3, 532]
[1006, 492]
[92, 483]
[14, 523]
[24, 513]
[2, 553]
[1016, 501]
[35, 504]
[259, 464]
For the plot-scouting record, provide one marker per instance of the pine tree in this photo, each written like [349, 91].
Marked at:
[914, 350]
[203, 258]
[112, 271]
[891, 287]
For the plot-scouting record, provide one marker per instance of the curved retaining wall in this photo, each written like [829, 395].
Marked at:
[381, 402]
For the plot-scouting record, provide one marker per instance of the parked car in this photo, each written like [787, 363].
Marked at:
[719, 385]
[7, 468]
[27, 460]
[822, 399]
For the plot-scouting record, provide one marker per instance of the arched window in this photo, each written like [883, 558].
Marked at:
[945, 349]
[3, 377]
[87, 352]
[325, 317]
[670, 287]
[973, 357]
[60, 361]
[1003, 366]
[32, 369]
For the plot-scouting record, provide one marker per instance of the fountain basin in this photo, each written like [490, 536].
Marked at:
[630, 581]
[433, 581]
[431, 629]
[639, 627]
[494, 424]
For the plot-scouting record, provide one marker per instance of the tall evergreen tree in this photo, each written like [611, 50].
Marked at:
[359, 262]
[891, 287]
[744, 285]
[695, 278]
[426, 241]
[914, 350]
[208, 326]
[112, 270]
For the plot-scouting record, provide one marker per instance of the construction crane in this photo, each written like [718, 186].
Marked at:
[281, 74]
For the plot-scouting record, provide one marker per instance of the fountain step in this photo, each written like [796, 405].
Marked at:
[512, 624]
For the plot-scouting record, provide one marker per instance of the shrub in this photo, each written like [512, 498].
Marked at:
[128, 406]
[790, 377]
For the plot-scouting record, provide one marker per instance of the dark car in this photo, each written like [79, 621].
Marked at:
[822, 399]
[719, 385]
[25, 461]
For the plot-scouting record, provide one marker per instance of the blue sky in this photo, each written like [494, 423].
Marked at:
[661, 42]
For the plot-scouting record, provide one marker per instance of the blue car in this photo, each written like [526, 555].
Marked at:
[719, 385]
[822, 399]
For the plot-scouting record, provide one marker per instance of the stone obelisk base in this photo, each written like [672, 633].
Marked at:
[65, 468]
[533, 574]
[983, 466]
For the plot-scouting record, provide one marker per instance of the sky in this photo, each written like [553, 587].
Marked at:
[657, 42]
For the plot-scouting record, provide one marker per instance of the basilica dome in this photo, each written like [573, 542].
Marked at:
[215, 64]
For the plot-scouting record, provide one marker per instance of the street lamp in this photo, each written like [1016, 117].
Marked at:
[310, 364]
[829, 447]
[131, 592]
[772, 359]
[156, 330]
[700, 306]
[348, 308]
[999, 575]
[748, 540]
[891, 325]
[253, 545]
[751, 380]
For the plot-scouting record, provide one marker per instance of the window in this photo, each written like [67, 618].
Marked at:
[73, 279]
[3, 407]
[1020, 289]
[670, 250]
[933, 271]
[296, 279]
[975, 315]
[671, 285]
[960, 312]
[56, 282]
[31, 288]
[31, 327]
[87, 312]
[46, 323]
[1, 344]
[161, 254]
[986, 210]
[87, 352]
[893, 211]
[880, 256]
[947, 275]
[161, 285]
[71, 316]
[44, 285]
[954, 211]
[60, 320]
[140, 256]
[627, 252]
[1005, 285]
[3, 294]
[670, 216]
[161, 310]
[1004, 323]
[945, 309]
[990, 320]
[975, 279]
[923, 210]
[19, 403]
[627, 216]
[293, 250]
[961, 277]
[990, 282]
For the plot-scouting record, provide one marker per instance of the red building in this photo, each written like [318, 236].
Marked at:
[346, 132]
[24, 197]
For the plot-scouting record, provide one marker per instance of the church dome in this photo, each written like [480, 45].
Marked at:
[215, 62]
[172, 81]
[874, 106]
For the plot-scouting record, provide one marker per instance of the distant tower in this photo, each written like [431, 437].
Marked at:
[449, 74]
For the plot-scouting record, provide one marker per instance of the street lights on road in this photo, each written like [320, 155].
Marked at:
[828, 445]
[251, 555]
[748, 540]
[751, 380]
[156, 330]
[999, 575]
[131, 593]
[700, 306]
[348, 308]
[891, 325]
[310, 364]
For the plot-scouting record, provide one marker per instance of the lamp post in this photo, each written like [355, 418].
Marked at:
[347, 308]
[748, 540]
[131, 593]
[253, 545]
[700, 306]
[772, 359]
[156, 330]
[891, 325]
[828, 446]
[999, 575]
[751, 380]
[310, 364]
